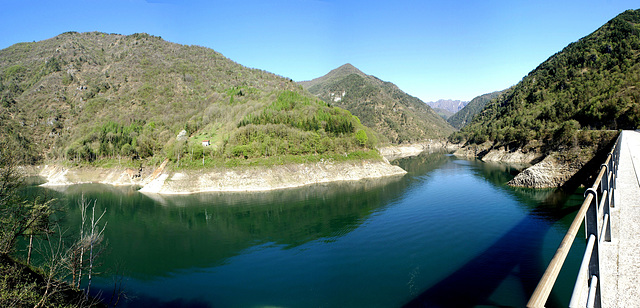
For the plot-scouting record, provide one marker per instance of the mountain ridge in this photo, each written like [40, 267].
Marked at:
[343, 70]
[86, 97]
[591, 85]
[465, 115]
[565, 114]
[450, 105]
[396, 116]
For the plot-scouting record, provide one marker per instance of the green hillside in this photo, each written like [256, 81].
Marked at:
[86, 97]
[592, 85]
[396, 116]
[465, 115]
[444, 113]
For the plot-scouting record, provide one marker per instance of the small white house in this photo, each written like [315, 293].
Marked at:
[206, 143]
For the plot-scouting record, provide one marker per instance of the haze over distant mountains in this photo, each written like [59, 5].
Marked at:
[464, 115]
[450, 105]
[395, 115]
[446, 107]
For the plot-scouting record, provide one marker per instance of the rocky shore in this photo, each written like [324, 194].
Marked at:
[406, 150]
[545, 174]
[162, 180]
[268, 178]
[542, 171]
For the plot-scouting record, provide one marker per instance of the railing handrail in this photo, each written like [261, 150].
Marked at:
[542, 291]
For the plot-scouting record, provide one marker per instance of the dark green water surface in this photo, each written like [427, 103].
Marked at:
[450, 233]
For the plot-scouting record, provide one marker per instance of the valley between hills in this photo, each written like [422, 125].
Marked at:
[138, 105]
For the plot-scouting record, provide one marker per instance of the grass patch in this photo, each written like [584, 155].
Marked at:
[196, 164]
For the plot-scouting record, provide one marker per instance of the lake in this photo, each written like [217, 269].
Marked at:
[449, 233]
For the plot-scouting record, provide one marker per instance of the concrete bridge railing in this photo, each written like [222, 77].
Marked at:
[594, 211]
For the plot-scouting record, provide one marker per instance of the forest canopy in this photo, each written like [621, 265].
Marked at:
[591, 84]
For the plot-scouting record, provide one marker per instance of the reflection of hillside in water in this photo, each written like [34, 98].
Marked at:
[498, 173]
[162, 234]
[422, 163]
[326, 190]
[95, 188]
[517, 251]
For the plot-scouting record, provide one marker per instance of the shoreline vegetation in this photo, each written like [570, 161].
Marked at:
[168, 178]
[42, 265]
[173, 119]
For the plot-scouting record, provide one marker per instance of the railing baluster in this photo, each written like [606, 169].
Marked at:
[594, 289]
[590, 211]
[582, 272]
[606, 224]
[592, 229]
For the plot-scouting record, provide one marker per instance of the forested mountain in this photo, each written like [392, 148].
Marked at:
[396, 116]
[464, 116]
[450, 105]
[91, 96]
[592, 85]
[444, 113]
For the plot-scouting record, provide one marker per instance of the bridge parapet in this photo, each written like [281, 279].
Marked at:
[596, 214]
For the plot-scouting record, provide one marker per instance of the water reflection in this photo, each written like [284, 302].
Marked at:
[203, 230]
[368, 243]
[519, 252]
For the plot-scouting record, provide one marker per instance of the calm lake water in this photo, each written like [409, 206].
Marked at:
[450, 233]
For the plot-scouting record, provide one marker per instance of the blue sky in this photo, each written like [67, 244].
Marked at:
[430, 49]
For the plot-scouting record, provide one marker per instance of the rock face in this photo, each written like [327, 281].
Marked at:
[401, 151]
[60, 176]
[545, 174]
[486, 153]
[548, 172]
[517, 156]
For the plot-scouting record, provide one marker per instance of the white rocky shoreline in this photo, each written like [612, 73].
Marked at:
[543, 171]
[268, 178]
[165, 181]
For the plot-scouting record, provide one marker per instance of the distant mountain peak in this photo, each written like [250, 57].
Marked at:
[347, 65]
[396, 116]
[450, 105]
[342, 71]
[346, 69]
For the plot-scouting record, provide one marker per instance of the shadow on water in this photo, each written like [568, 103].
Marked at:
[423, 163]
[206, 229]
[141, 300]
[516, 252]
[202, 231]
[474, 283]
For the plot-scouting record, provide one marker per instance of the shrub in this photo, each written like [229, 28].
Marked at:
[361, 137]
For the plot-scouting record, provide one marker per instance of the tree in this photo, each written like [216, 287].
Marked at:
[89, 242]
[566, 134]
[47, 286]
[19, 284]
[361, 137]
[18, 217]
